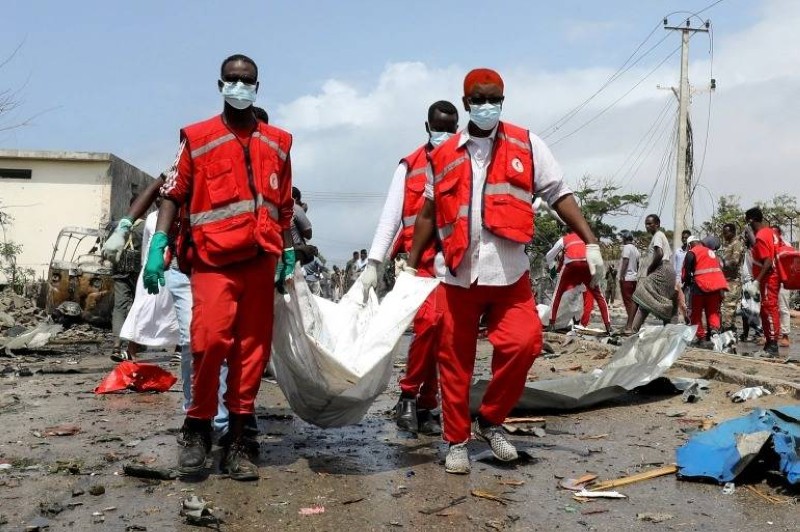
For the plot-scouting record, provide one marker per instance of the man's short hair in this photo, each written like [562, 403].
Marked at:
[355, 253]
[730, 227]
[654, 217]
[237, 57]
[685, 232]
[364, 251]
[627, 237]
[754, 214]
[296, 195]
[443, 106]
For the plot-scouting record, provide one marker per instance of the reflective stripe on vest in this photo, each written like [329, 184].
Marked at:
[450, 167]
[234, 209]
[415, 173]
[213, 144]
[447, 229]
[508, 189]
[271, 143]
[409, 221]
[515, 141]
[707, 270]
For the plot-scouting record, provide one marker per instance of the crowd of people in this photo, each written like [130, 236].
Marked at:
[231, 228]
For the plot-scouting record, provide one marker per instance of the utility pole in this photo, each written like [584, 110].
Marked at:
[683, 181]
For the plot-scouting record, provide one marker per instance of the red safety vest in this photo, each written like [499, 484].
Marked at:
[413, 199]
[234, 205]
[708, 275]
[574, 247]
[787, 262]
[507, 209]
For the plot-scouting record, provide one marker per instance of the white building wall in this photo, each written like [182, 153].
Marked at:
[60, 193]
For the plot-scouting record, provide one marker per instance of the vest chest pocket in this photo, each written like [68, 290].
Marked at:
[221, 182]
[447, 201]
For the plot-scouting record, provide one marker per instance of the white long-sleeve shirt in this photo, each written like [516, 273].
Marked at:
[491, 260]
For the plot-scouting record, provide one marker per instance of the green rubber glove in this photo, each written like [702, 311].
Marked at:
[284, 270]
[153, 276]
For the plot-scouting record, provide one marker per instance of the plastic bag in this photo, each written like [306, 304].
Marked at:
[570, 309]
[137, 377]
[332, 360]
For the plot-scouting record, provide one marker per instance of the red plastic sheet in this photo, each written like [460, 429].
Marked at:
[137, 377]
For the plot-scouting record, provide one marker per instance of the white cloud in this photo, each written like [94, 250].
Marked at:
[349, 140]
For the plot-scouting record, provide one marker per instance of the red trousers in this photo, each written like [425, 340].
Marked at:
[574, 274]
[231, 320]
[515, 332]
[421, 379]
[710, 303]
[770, 310]
[588, 303]
[626, 289]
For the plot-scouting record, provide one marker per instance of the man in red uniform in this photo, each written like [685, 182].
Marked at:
[702, 272]
[420, 385]
[765, 280]
[478, 199]
[575, 272]
[232, 183]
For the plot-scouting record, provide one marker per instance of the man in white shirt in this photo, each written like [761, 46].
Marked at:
[420, 385]
[628, 271]
[479, 201]
[684, 295]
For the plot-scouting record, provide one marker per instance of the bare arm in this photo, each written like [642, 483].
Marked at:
[623, 269]
[307, 234]
[658, 256]
[569, 211]
[145, 199]
[166, 215]
[765, 269]
[423, 232]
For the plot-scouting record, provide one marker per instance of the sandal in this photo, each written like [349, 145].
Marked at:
[120, 356]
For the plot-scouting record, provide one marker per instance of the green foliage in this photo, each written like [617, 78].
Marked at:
[9, 251]
[781, 210]
[729, 210]
[601, 199]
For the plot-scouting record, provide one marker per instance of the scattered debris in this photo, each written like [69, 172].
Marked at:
[77, 492]
[511, 482]
[632, 479]
[198, 512]
[437, 509]
[489, 496]
[729, 488]
[594, 511]
[133, 443]
[33, 338]
[137, 377]
[749, 393]
[652, 517]
[577, 484]
[511, 420]
[352, 501]
[50, 508]
[62, 430]
[313, 510]
[97, 489]
[693, 393]
[539, 432]
[140, 471]
[583, 494]
[723, 452]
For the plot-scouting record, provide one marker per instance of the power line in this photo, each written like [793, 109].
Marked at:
[644, 139]
[634, 170]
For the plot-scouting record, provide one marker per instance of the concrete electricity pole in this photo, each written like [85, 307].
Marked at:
[683, 200]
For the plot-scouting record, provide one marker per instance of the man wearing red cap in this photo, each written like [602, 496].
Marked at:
[479, 196]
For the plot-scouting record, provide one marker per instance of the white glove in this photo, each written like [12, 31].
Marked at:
[369, 278]
[596, 265]
[113, 246]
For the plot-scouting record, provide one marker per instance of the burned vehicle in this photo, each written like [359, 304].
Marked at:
[79, 275]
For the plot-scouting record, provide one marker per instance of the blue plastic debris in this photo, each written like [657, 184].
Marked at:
[725, 451]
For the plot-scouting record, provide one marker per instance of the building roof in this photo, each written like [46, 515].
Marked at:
[45, 155]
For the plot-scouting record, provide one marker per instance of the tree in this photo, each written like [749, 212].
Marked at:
[728, 210]
[601, 199]
[16, 277]
[781, 210]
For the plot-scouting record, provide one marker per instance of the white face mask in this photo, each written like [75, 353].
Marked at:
[438, 137]
[485, 116]
[238, 95]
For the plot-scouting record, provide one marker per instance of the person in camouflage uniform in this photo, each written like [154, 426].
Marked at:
[732, 255]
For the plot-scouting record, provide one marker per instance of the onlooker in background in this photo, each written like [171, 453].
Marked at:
[784, 295]
[126, 269]
[337, 282]
[611, 283]
[301, 230]
[766, 282]
[628, 271]
[362, 261]
[732, 256]
[655, 291]
[684, 297]
[350, 272]
[750, 304]
[702, 271]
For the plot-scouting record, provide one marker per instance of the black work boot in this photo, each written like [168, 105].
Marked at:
[195, 442]
[239, 454]
[406, 414]
[771, 349]
[428, 424]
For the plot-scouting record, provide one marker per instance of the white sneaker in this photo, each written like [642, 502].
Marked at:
[457, 460]
[502, 449]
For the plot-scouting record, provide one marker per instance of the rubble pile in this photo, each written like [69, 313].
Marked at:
[17, 313]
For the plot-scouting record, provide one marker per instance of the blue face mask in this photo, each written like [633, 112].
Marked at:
[238, 95]
[485, 116]
[438, 137]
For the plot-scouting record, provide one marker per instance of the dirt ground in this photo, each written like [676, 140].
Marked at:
[366, 477]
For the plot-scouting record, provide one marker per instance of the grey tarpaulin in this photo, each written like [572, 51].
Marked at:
[639, 360]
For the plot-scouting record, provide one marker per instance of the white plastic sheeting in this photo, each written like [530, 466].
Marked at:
[332, 360]
[569, 309]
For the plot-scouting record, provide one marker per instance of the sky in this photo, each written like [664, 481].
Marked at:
[352, 82]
